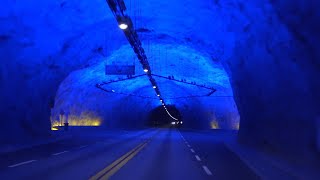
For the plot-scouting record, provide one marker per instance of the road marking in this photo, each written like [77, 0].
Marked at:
[192, 150]
[207, 170]
[22, 163]
[198, 158]
[55, 154]
[116, 165]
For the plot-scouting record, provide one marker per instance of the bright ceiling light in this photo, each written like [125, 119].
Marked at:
[154, 87]
[158, 95]
[145, 70]
[123, 26]
[173, 123]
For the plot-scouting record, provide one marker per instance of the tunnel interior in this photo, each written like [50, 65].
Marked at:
[159, 117]
[184, 75]
[261, 57]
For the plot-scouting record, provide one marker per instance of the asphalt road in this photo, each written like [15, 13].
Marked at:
[140, 154]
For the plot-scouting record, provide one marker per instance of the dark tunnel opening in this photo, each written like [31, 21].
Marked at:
[159, 117]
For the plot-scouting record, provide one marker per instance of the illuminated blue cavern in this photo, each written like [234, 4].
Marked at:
[77, 93]
[261, 56]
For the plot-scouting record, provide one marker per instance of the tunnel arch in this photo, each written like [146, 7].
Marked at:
[180, 61]
[262, 44]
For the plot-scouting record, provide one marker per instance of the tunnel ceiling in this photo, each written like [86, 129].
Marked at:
[166, 60]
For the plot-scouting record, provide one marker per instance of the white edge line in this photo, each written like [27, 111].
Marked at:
[198, 158]
[22, 163]
[59, 153]
[207, 170]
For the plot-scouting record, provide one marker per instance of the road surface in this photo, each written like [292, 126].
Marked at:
[164, 153]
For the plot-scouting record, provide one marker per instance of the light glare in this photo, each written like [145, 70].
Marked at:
[123, 26]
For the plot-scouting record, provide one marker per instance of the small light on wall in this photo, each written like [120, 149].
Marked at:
[145, 70]
[123, 26]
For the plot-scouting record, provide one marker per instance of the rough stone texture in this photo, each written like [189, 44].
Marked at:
[268, 48]
[77, 94]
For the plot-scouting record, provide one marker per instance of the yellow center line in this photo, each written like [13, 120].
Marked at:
[110, 170]
[122, 163]
[115, 163]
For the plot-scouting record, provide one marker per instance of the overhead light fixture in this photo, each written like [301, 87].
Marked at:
[161, 100]
[113, 90]
[123, 26]
[158, 95]
[154, 87]
[146, 70]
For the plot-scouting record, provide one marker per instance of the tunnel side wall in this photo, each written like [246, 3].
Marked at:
[209, 113]
[275, 78]
[90, 106]
[37, 54]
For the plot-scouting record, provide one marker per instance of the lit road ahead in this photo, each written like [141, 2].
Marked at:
[144, 154]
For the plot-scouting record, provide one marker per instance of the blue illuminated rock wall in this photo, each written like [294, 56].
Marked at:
[275, 72]
[38, 49]
[78, 94]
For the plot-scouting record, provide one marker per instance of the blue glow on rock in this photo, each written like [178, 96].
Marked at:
[179, 61]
